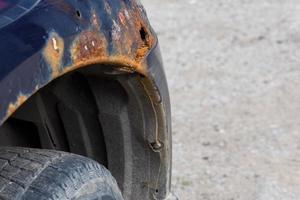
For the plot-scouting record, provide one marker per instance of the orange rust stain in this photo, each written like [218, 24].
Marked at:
[130, 42]
[130, 47]
[123, 63]
[53, 53]
[141, 52]
[145, 41]
[122, 18]
[88, 45]
[13, 106]
[144, 48]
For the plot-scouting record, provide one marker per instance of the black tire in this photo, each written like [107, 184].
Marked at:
[34, 174]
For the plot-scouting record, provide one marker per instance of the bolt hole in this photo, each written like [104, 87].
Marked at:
[143, 34]
[78, 13]
[156, 191]
[157, 146]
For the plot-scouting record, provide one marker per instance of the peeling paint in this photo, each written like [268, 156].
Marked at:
[116, 31]
[122, 18]
[53, 53]
[126, 14]
[12, 107]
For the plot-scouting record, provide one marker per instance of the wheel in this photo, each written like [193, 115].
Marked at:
[35, 174]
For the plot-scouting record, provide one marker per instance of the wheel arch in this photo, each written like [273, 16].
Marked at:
[53, 39]
[145, 145]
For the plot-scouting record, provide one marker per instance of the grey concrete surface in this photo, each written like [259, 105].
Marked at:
[234, 75]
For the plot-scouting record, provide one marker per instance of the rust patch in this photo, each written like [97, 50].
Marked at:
[88, 45]
[141, 35]
[123, 63]
[146, 40]
[141, 52]
[132, 40]
[146, 43]
[128, 39]
[122, 18]
[12, 107]
[116, 32]
[123, 43]
[53, 53]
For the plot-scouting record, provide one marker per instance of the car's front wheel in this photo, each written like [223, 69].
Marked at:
[35, 174]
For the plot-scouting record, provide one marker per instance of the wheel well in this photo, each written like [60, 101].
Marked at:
[99, 112]
[64, 115]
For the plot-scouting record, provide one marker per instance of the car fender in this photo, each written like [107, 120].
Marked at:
[57, 37]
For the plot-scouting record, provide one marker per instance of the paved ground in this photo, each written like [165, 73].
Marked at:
[234, 74]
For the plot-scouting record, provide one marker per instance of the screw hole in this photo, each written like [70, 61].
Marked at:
[156, 191]
[157, 146]
[143, 34]
[78, 13]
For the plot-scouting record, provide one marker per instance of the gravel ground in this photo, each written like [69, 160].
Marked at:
[234, 75]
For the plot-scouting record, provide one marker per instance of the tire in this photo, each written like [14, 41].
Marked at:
[34, 174]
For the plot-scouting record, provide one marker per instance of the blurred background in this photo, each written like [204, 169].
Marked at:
[234, 75]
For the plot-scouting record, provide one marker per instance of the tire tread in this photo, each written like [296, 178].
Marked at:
[33, 174]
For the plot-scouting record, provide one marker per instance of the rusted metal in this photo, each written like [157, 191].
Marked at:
[88, 45]
[13, 106]
[53, 53]
[131, 41]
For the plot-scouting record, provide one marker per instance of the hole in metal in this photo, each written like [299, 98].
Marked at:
[143, 34]
[78, 13]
